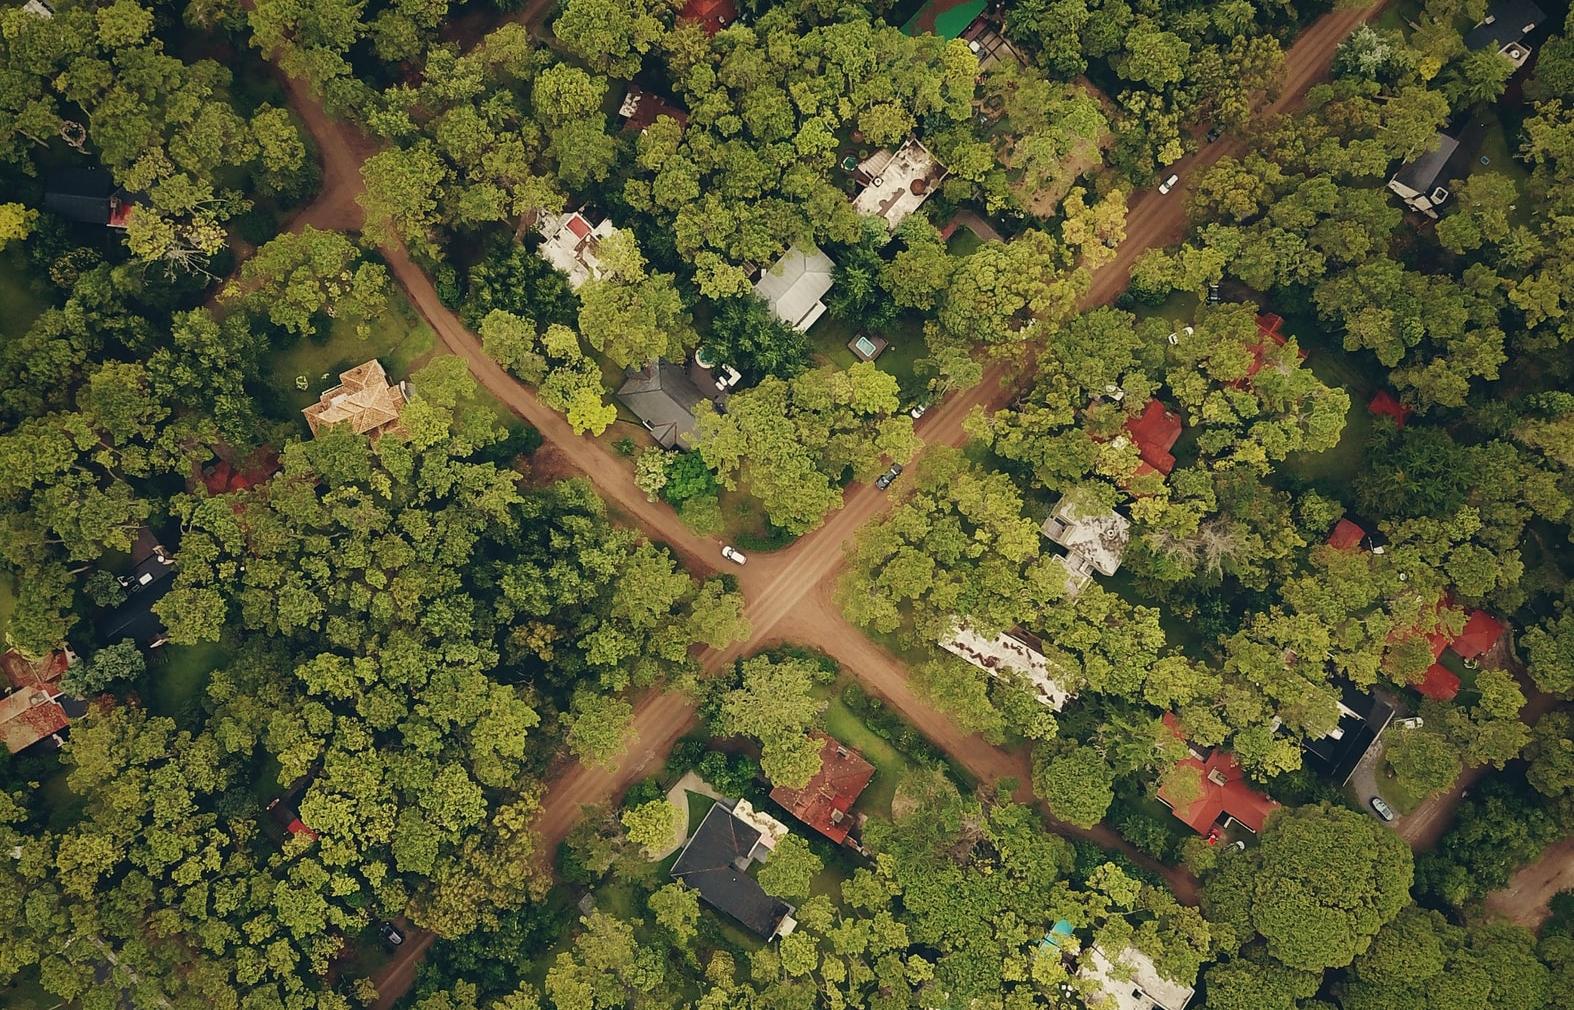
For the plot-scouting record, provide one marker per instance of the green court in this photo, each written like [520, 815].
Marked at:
[943, 18]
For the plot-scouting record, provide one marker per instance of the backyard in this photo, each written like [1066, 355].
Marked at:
[20, 292]
[830, 336]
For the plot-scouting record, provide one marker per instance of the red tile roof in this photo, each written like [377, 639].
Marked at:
[1224, 792]
[1385, 404]
[578, 225]
[823, 803]
[1439, 684]
[1480, 633]
[1155, 431]
[713, 15]
[300, 827]
[1346, 535]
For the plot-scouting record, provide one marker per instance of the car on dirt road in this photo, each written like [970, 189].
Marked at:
[884, 480]
[918, 409]
[734, 555]
[1169, 184]
[391, 935]
[1384, 811]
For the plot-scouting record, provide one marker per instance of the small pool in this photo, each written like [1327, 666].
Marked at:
[865, 346]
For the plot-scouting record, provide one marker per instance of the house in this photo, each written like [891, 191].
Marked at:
[364, 400]
[712, 15]
[663, 397]
[39, 8]
[1346, 536]
[826, 801]
[794, 285]
[1155, 432]
[570, 243]
[716, 859]
[897, 183]
[1422, 182]
[289, 820]
[152, 576]
[88, 195]
[1093, 541]
[35, 710]
[223, 477]
[1386, 404]
[641, 108]
[1504, 29]
[1131, 981]
[984, 38]
[1224, 792]
[1009, 651]
[1480, 633]
[1269, 336]
[1362, 720]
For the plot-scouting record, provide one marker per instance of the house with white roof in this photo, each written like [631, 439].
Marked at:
[794, 285]
[1131, 982]
[1095, 541]
[896, 183]
[1009, 651]
[569, 242]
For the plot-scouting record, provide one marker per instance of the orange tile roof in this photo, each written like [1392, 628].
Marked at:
[1439, 684]
[1386, 404]
[1225, 791]
[1346, 535]
[713, 15]
[1155, 431]
[823, 804]
[1480, 633]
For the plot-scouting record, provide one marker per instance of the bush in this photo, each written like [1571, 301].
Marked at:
[450, 289]
[732, 776]
[688, 476]
[642, 791]
[513, 278]
[685, 754]
[624, 446]
[1146, 832]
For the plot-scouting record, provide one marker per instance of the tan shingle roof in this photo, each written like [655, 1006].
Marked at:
[363, 399]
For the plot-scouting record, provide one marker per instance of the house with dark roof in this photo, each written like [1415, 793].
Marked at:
[826, 802]
[663, 397]
[1422, 182]
[88, 195]
[1362, 720]
[1504, 29]
[151, 577]
[716, 860]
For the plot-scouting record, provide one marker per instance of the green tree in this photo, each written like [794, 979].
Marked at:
[118, 663]
[790, 869]
[1078, 785]
[651, 825]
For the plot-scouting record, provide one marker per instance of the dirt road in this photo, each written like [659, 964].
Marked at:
[788, 593]
[1524, 901]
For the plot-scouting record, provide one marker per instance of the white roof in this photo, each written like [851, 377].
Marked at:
[794, 285]
[1008, 652]
[901, 182]
[771, 830]
[569, 243]
[1098, 537]
[1136, 984]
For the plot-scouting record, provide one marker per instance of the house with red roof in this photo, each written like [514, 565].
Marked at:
[1346, 536]
[1155, 432]
[712, 15]
[1268, 335]
[34, 710]
[1385, 404]
[1225, 793]
[1480, 632]
[826, 802]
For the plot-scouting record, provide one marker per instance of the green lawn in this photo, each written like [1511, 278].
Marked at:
[890, 764]
[177, 675]
[699, 806]
[7, 602]
[963, 243]
[398, 339]
[21, 293]
[829, 337]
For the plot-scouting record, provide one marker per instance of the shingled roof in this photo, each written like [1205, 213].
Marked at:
[363, 399]
[824, 802]
[715, 863]
[1154, 431]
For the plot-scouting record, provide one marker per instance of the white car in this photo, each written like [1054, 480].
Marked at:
[733, 554]
[1174, 338]
[1168, 184]
[918, 410]
[1384, 811]
[1413, 722]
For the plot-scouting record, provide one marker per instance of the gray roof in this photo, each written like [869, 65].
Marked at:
[80, 194]
[714, 863]
[1424, 171]
[1508, 21]
[663, 396]
[794, 285]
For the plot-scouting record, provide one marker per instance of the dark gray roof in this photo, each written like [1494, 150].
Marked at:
[80, 194]
[1338, 757]
[1509, 21]
[663, 396]
[710, 864]
[135, 619]
[1427, 169]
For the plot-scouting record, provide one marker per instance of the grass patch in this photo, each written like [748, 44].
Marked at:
[7, 602]
[177, 677]
[21, 292]
[963, 243]
[1394, 791]
[62, 806]
[27, 994]
[829, 337]
[745, 524]
[890, 764]
[699, 805]
[399, 339]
